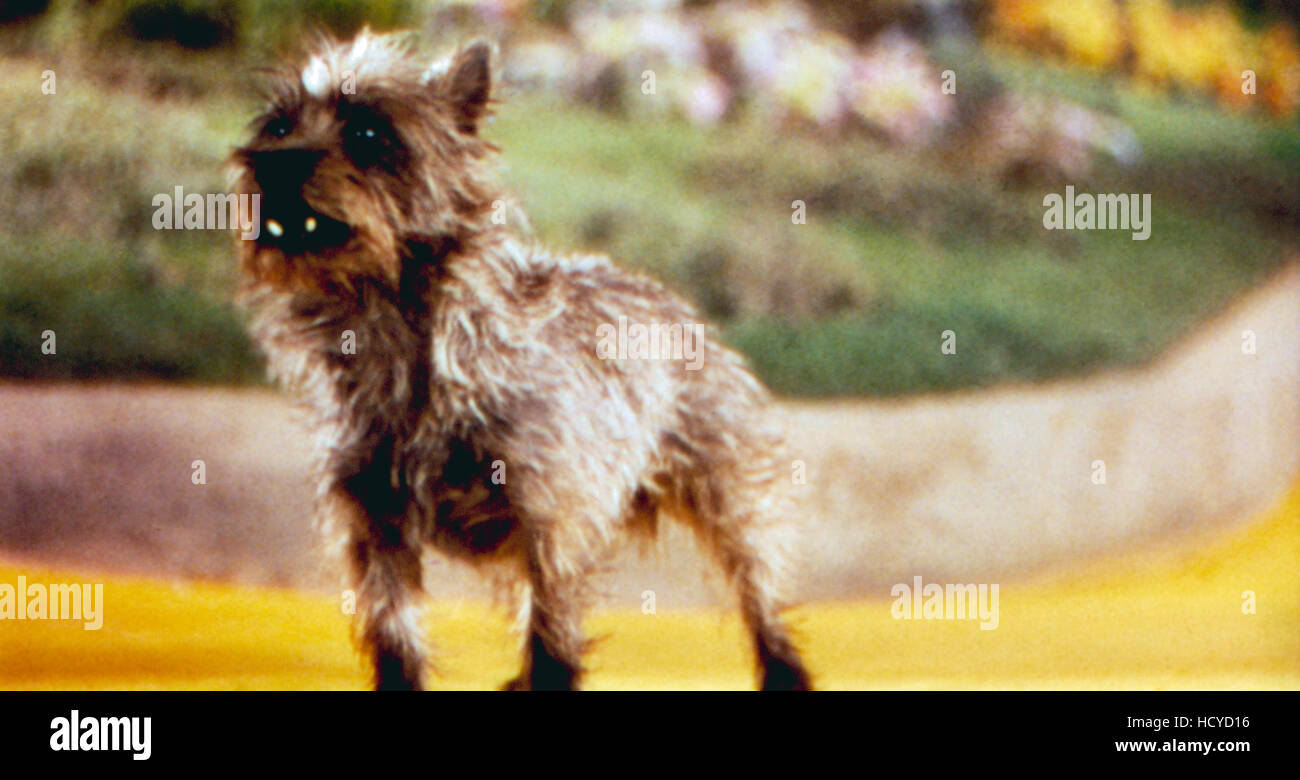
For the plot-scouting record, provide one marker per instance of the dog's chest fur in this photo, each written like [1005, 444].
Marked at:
[390, 429]
[481, 363]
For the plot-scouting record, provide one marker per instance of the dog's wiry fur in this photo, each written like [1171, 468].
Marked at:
[475, 356]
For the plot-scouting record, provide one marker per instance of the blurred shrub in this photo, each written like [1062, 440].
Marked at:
[18, 10]
[192, 24]
[80, 256]
[259, 25]
[286, 21]
[84, 157]
[112, 316]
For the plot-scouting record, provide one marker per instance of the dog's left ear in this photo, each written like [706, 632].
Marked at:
[466, 83]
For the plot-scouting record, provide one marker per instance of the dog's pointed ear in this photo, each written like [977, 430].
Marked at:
[465, 81]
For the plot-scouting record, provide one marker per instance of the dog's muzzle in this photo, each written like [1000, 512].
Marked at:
[288, 222]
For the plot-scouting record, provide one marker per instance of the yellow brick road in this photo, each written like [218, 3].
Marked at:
[1167, 619]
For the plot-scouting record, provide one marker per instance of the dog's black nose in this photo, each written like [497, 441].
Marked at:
[284, 170]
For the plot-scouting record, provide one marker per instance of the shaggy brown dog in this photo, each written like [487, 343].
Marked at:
[476, 395]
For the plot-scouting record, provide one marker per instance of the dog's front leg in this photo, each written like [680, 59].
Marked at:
[387, 578]
[554, 644]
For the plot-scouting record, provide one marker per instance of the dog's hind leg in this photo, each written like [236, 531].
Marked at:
[753, 562]
[735, 516]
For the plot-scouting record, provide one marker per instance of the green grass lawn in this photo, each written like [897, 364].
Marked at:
[895, 250]
[897, 247]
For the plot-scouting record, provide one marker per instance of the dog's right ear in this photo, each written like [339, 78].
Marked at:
[465, 81]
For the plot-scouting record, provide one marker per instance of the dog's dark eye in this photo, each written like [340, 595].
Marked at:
[278, 128]
[370, 142]
[368, 135]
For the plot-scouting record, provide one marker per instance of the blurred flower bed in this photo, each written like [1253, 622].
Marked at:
[1204, 48]
[777, 63]
[712, 61]
[709, 62]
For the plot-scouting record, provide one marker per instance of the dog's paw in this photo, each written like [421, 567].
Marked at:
[520, 683]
